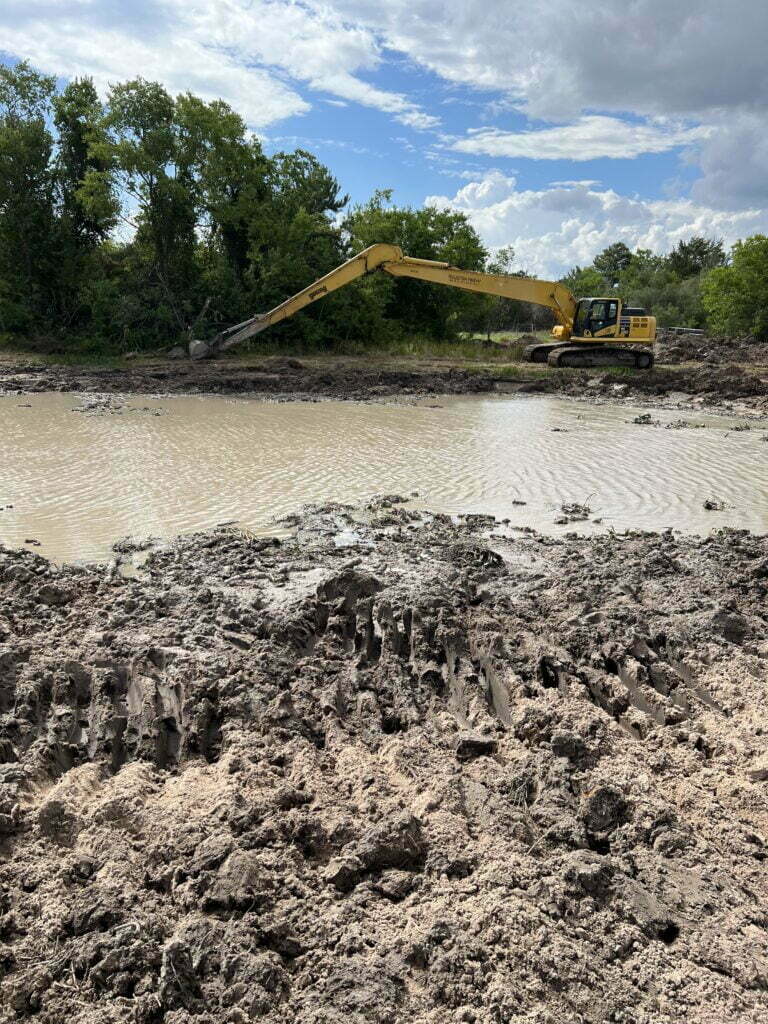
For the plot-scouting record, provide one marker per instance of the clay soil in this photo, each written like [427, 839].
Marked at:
[706, 383]
[392, 769]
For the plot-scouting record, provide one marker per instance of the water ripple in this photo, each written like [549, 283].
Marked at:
[78, 481]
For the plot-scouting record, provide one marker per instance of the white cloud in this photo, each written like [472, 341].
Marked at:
[181, 63]
[587, 138]
[611, 76]
[703, 62]
[655, 57]
[239, 50]
[734, 162]
[553, 229]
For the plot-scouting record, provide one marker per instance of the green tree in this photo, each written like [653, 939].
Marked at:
[695, 255]
[28, 256]
[585, 282]
[650, 282]
[141, 145]
[427, 233]
[735, 297]
[613, 261]
[227, 175]
[91, 211]
[297, 238]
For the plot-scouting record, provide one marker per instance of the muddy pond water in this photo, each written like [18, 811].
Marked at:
[76, 472]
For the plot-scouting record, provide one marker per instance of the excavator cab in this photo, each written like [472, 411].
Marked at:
[596, 323]
[596, 318]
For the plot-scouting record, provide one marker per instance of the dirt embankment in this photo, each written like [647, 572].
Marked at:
[707, 384]
[715, 350]
[283, 378]
[390, 770]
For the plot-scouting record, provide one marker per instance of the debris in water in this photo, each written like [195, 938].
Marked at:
[644, 419]
[575, 512]
[684, 425]
[715, 505]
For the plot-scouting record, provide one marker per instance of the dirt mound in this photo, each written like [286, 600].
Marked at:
[438, 777]
[716, 350]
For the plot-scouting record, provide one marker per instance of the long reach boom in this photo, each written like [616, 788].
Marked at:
[587, 320]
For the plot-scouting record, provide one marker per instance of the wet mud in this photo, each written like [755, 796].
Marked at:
[709, 384]
[393, 768]
[282, 378]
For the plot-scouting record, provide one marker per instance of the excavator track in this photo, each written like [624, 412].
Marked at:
[540, 352]
[600, 355]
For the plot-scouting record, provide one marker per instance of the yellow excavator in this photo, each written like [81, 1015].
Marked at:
[589, 332]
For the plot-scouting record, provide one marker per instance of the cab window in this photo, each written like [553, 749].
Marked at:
[603, 314]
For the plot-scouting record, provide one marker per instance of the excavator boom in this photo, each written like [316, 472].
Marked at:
[590, 323]
[373, 258]
[390, 260]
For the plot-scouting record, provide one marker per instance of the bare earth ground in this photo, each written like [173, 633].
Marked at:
[395, 769]
[742, 383]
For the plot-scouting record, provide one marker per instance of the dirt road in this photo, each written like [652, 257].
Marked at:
[393, 770]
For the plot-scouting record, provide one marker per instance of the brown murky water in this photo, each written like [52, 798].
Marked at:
[78, 480]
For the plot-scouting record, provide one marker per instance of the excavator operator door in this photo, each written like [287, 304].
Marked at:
[596, 318]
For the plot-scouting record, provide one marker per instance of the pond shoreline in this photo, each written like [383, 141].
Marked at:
[370, 378]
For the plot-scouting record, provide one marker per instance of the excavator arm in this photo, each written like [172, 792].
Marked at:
[390, 260]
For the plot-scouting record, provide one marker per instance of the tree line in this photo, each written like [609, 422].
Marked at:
[146, 219]
[697, 284]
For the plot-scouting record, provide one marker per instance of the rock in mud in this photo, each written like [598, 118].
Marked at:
[469, 745]
[199, 349]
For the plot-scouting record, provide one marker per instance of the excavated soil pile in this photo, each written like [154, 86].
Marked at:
[690, 348]
[392, 770]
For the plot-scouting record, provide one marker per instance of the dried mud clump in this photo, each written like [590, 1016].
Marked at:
[432, 777]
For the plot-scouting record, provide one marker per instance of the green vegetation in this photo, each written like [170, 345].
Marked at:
[736, 296]
[145, 220]
[669, 287]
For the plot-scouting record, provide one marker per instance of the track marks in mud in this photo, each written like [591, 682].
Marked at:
[438, 785]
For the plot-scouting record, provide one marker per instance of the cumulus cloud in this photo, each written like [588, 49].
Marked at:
[609, 78]
[701, 62]
[554, 228]
[733, 162]
[239, 50]
[655, 57]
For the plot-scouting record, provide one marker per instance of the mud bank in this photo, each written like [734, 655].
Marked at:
[278, 378]
[285, 379]
[391, 769]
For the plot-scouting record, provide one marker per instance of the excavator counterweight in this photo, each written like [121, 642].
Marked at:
[589, 332]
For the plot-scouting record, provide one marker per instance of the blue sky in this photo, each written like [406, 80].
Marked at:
[556, 129]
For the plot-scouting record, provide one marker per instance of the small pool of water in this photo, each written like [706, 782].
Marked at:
[75, 481]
